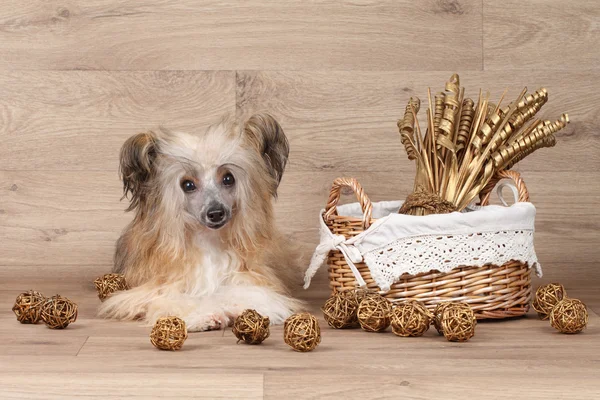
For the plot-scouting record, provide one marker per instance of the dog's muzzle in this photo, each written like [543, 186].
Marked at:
[216, 216]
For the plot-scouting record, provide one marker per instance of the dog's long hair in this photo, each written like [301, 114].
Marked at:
[203, 218]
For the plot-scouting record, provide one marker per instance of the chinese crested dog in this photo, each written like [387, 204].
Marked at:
[203, 244]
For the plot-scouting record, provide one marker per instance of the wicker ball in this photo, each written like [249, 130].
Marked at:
[251, 327]
[340, 310]
[569, 316]
[437, 315]
[58, 312]
[410, 318]
[168, 333]
[361, 294]
[110, 283]
[546, 298]
[28, 307]
[374, 313]
[301, 332]
[458, 322]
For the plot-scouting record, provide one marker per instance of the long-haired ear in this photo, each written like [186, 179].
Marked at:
[137, 166]
[266, 135]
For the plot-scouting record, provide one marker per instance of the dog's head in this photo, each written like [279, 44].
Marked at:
[205, 180]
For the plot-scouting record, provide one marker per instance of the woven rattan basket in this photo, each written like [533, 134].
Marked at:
[493, 291]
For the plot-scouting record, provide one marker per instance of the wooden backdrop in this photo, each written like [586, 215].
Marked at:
[79, 77]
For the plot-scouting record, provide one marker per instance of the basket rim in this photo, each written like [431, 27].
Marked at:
[522, 194]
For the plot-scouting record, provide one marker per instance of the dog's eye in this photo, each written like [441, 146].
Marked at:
[228, 179]
[188, 186]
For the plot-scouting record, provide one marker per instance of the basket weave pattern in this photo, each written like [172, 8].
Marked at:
[492, 291]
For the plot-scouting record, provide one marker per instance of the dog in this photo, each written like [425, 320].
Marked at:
[203, 244]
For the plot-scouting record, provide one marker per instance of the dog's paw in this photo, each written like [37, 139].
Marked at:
[208, 322]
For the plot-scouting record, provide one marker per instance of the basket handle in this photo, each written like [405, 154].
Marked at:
[523, 194]
[334, 198]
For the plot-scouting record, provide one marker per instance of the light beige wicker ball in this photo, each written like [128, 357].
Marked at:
[110, 283]
[340, 310]
[301, 332]
[374, 313]
[569, 316]
[546, 297]
[410, 318]
[169, 333]
[251, 327]
[437, 315]
[28, 307]
[458, 322]
[361, 294]
[58, 312]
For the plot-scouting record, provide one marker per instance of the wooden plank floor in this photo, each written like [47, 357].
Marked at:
[520, 358]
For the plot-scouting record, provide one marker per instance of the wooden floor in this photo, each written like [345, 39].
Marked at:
[522, 358]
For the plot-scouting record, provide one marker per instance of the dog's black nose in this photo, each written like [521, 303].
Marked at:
[216, 214]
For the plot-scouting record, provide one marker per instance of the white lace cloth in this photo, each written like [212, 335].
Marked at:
[397, 244]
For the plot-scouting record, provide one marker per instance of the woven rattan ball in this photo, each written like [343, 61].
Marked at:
[437, 315]
[168, 333]
[340, 310]
[58, 312]
[28, 307]
[410, 318]
[110, 283]
[569, 316]
[301, 332]
[546, 297]
[360, 294]
[458, 322]
[374, 313]
[251, 327]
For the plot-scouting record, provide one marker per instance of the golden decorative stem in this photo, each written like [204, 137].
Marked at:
[466, 145]
[406, 127]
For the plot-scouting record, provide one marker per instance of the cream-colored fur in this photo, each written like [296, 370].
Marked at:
[175, 262]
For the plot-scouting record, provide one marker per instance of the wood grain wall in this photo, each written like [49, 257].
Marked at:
[79, 77]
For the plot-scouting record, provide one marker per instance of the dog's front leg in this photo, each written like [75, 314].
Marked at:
[206, 313]
[233, 300]
[148, 303]
[199, 313]
[221, 308]
[200, 322]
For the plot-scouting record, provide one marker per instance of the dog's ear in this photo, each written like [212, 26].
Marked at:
[137, 166]
[266, 135]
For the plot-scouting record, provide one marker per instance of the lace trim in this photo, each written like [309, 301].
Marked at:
[419, 254]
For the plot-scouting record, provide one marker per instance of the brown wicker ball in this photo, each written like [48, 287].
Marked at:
[458, 322]
[374, 313]
[437, 315]
[58, 312]
[110, 283]
[340, 309]
[168, 333]
[410, 318]
[251, 327]
[546, 298]
[301, 332]
[28, 307]
[569, 316]
[361, 294]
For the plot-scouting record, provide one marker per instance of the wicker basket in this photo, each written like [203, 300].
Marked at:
[492, 291]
